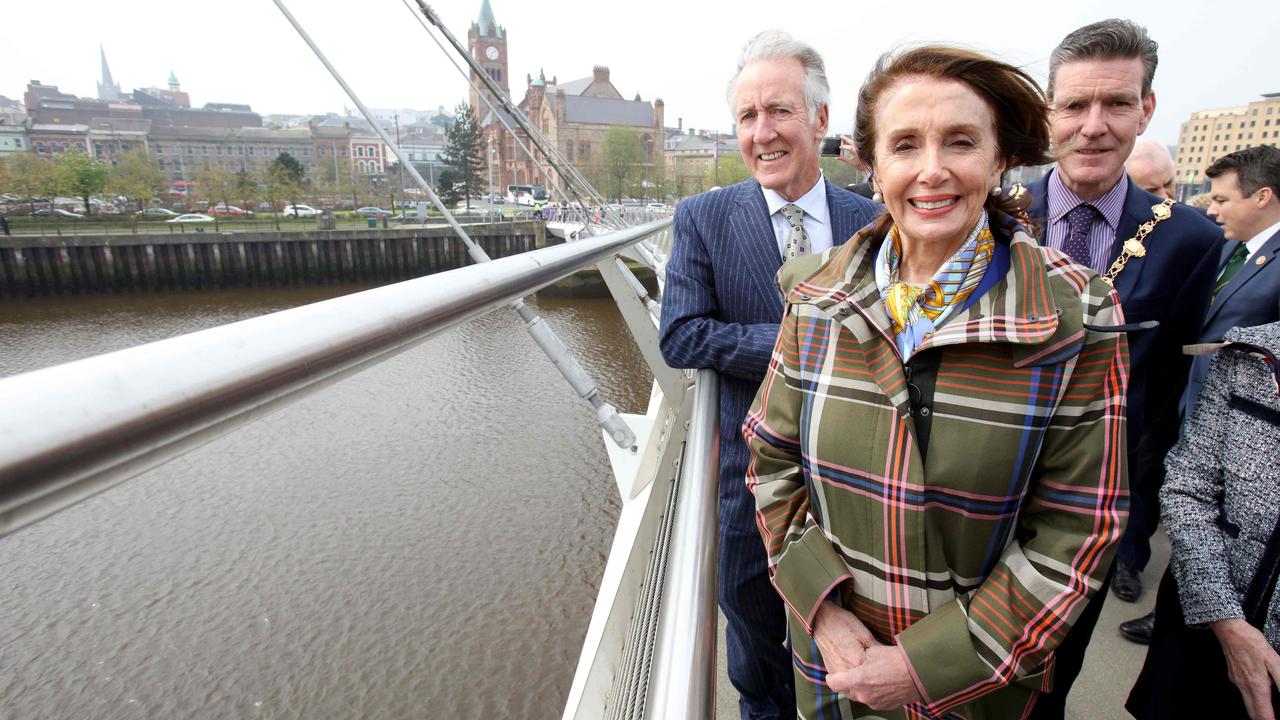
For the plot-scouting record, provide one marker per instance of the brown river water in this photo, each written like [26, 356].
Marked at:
[422, 540]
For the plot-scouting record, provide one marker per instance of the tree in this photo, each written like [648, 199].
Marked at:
[285, 179]
[136, 177]
[247, 190]
[621, 162]
[840, 173]
[461, 157]
[732, 170]
[218, 183]
[30, 175]
[80, 175]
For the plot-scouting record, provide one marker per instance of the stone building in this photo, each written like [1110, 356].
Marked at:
[1210, 134]
[574, 116]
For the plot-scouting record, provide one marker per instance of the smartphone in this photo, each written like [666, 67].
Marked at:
[830, 147]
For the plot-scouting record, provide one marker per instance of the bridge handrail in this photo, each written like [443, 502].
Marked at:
[73, 430]
[682, 684]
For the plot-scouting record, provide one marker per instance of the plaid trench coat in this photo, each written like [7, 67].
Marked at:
[978, 561]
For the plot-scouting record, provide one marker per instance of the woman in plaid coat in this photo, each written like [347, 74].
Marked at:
[938, 447]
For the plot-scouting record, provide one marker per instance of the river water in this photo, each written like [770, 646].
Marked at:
[421, 540]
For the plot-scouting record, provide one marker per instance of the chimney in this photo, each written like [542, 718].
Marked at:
[679, 123]
[600, 73]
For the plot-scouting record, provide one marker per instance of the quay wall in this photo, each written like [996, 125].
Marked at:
[33, 266]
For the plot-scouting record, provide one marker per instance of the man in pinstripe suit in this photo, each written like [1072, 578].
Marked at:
[722, 307]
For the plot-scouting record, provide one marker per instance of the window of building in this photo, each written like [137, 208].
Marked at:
[1228, 126]
[39, 146]
[189, 149]
[568, 147]
[17, 142]
[360, 152]
[344, 152]
[584, 151]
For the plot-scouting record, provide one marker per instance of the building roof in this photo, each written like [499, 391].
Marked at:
[607, 111]
[573, 87]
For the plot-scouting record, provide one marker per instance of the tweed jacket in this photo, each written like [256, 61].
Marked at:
[978, 561]
[1222, 493]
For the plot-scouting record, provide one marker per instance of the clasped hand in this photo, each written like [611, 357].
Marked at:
[859, 666]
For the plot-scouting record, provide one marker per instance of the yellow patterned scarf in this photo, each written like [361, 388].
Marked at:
[950, 287]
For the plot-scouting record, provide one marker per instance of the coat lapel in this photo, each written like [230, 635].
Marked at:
[756, 243]
[1267, 253]
[1137, 210]
[846, 217]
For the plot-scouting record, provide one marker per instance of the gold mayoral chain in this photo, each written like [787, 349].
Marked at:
[1133, 247]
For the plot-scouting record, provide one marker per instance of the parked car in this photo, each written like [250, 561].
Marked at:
[157, 212]
[497, 199]
[232, 210]
[300, 211]
[191, 218]
[657, 206]
[371, 211]
[57, 213]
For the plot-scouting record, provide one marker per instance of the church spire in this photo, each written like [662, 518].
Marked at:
[487, 25]
[107, 88]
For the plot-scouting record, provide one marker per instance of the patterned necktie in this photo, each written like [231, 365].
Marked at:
[797, 239]
[1234, 263]
[1080, 220]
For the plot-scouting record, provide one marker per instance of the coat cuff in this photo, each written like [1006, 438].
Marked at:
[942, 658]
[808, 571]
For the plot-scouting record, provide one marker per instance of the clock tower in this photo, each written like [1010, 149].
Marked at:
[487, 41]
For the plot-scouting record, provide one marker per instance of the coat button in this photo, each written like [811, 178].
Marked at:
[924, 411]
[806, 298]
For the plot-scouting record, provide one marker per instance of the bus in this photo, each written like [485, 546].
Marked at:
[527, 194]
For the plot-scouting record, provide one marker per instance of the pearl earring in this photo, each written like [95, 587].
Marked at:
[997, 191]
[877, 197]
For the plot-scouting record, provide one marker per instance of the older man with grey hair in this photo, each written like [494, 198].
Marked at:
[1160, 257]
[721, 310]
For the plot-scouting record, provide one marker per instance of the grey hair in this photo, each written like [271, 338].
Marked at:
[775, 44]
[1107, 40]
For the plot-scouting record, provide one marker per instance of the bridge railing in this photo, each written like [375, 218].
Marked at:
[70, 431]
[74, 430]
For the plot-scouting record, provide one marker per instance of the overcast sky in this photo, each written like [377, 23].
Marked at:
[1218, 54]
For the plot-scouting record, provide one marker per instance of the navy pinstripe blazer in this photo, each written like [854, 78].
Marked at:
[721, 307]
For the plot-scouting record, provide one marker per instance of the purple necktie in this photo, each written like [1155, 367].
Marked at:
[1080, 219]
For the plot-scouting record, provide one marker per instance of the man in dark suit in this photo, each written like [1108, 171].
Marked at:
[1245, 200]
[721, 310]
[1101, 99]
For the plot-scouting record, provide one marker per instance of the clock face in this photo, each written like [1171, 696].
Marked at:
[491, 52]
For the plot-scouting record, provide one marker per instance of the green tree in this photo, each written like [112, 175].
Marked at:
[461, 176]
[622, 161]
[247, 190]
[80, 175]
[732, 170]
[30, 176]
[136, 177]
[285, 180]
[218, 183]
[841, 173]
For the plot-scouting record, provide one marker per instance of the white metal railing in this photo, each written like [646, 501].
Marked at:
[70, 431]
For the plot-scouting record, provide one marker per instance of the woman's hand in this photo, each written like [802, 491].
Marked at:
[858, 665]
[882, 681]
[841, 637]
[1252, 665]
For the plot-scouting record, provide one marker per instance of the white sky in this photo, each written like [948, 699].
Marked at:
[1217, 54]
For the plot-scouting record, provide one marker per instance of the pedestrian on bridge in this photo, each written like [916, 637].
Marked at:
[937, 451]
[721, 307]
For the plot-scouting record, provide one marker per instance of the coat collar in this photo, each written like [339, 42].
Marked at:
[1019, 309]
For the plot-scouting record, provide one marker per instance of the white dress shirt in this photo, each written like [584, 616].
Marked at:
[1255, 244]
[817, 217]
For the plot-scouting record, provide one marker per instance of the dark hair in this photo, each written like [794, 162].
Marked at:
[1256, 167]
[1016, 101]
[1107, 40]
